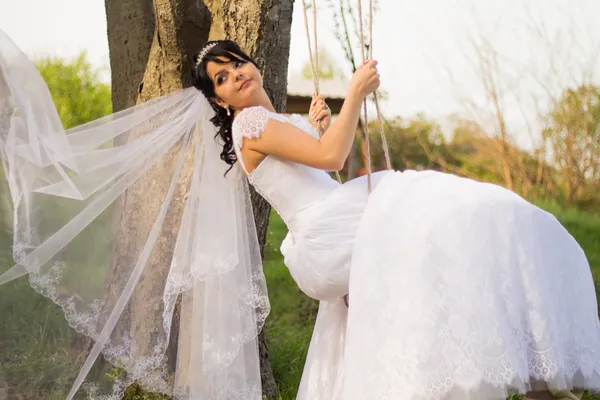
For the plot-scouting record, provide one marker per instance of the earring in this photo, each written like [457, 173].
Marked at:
[228, 112]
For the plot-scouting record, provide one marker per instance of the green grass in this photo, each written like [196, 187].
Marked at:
[289, 327]
[585, 228]
[292, 316]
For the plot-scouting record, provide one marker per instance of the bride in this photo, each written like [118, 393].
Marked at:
[431, 286]
[458, 289]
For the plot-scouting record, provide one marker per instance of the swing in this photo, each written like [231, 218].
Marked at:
[314, 62]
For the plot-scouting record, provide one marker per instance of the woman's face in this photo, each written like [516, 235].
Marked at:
[237, 85]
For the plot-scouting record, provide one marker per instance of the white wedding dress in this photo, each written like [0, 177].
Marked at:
[458, 289]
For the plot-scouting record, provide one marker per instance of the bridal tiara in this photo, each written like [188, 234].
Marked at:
[205, 51]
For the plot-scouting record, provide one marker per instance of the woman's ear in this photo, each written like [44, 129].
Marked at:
[220, 102]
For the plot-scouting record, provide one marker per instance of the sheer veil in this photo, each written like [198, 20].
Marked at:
[83, 331]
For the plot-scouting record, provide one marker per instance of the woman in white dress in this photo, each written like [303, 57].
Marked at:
[457, 289]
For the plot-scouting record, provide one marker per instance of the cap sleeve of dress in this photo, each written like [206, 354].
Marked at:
[251, 123]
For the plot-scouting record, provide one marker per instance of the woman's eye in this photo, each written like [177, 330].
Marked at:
[221, 80]
[239, 64]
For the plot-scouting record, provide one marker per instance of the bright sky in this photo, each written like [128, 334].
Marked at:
[419, 45]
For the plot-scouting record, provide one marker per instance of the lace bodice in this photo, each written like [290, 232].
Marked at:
[289, 187]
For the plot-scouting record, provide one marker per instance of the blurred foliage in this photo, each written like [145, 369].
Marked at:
[565, 168]
[76, 88]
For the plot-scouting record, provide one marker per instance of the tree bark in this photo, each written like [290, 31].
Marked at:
[130, 28]
[263, 30]
[181, 28]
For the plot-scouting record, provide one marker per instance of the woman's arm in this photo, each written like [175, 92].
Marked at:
[330, 152]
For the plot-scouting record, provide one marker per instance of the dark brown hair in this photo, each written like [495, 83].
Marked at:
[223, 52]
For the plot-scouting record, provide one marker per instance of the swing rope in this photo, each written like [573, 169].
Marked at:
[314, 62]
[384, 144]
[310, 50]
[365, 114]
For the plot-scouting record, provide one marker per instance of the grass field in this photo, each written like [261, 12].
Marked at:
[292, 316]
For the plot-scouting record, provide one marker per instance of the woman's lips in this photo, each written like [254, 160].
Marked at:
[245, 83]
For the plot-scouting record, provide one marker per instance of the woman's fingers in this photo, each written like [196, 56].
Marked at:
[322, 115]
[319, 106]
[316, 98]
[369, 63]
[319, 114]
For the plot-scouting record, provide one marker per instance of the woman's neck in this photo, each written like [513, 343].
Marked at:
[262, 101]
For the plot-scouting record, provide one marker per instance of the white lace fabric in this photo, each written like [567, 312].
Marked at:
[289, 187]
[251, 123]
[458, 289]
[118, 309]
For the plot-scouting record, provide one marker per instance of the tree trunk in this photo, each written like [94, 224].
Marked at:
[130, 30]
[262, 28]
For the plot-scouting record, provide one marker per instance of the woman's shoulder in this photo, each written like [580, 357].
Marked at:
[251, 122]
[258, 113]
